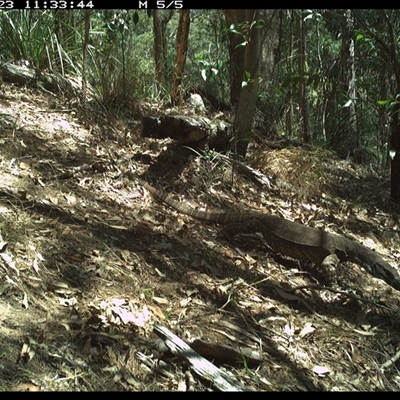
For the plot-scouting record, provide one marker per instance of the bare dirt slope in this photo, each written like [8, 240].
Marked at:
[90, 262]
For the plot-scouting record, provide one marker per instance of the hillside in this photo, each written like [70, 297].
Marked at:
[90, 262]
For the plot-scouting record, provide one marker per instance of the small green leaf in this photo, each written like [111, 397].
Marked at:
[135, 18]
[359, 36]
[392, 153]
[383, 102]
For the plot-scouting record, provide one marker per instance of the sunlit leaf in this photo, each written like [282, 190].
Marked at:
[348, 103]
[241, 44]
[214, 71]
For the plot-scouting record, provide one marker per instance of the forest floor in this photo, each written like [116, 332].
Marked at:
[89, 263]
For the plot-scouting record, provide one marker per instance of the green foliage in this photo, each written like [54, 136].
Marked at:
[120, 63]
[26, 35]
[208, 59]
[247, 79]
[121, 68]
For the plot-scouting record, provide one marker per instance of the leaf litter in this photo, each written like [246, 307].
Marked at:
[89, 265]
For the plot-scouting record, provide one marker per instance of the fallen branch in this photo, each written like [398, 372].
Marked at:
[200, 365]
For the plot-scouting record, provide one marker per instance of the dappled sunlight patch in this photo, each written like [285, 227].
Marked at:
[119, 311]
[90, 263]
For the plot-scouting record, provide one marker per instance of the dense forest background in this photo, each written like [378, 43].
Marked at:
[330, 77]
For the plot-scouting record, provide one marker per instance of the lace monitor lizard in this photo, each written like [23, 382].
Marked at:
[292, 239]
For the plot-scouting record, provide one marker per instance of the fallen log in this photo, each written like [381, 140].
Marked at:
[196, 131]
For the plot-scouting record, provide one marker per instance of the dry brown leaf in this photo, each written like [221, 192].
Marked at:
[181, 386]
[35, 265]
[321, 371]
[114, 219]
[355, 353]
[160, 300]
[8, 259]
[53, 199]
[250, 259]
[71, 301]
[24, 166]
[185, 302]
[26, 387]
[125, 255]
[119, 227]
[306, 330]
[157, 311]
[287, 296]
[71, 199]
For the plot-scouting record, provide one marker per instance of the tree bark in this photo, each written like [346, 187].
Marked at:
[180, 59]
[237, 53]
[395, 160]
[349, 83]
[248, 94]
[301, 60]
[160, 45]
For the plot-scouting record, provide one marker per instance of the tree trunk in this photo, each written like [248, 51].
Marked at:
[237, 53]
[180, 59]
[290, 108]
[269, 43]
[248, 94]
[160, 45]
[269, 59]
[301, 60]
[395, 160]
[349, 84]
